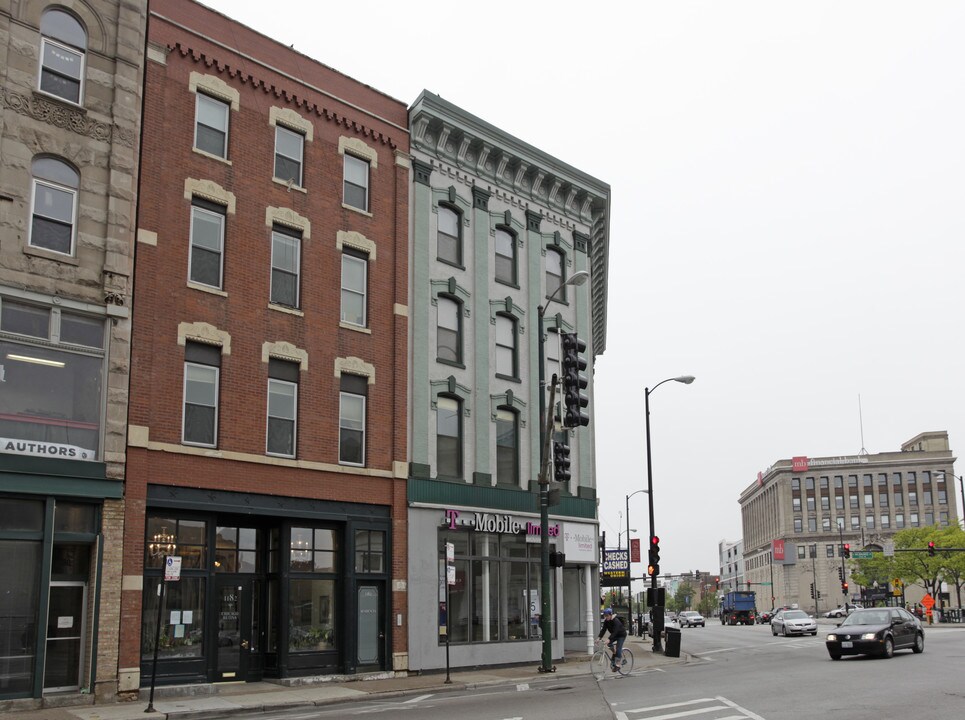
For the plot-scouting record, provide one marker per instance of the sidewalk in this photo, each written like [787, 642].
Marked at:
[194, 702]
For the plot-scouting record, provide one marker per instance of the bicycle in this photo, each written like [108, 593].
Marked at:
[602, 661]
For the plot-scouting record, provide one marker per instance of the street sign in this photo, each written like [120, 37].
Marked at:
[888, 548]
[767, 584]
[861, 554]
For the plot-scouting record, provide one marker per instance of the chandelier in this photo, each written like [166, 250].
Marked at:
[162, 543]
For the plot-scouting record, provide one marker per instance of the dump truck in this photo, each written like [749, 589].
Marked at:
[739, 607]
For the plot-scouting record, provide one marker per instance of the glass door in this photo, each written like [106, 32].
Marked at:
[371, 626]
[66, 618]
[234, 642]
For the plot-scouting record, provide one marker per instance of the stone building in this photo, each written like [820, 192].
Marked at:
[70, 93]
[799, 513]
[267, 439]
[497, 226]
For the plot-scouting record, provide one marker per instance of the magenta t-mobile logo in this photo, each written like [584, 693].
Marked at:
[451, 517]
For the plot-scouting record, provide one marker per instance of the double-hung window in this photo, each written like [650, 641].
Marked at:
[554, 273]
[282, 407]
[448, 330]
[448, 438]
[63, 49]
[507, 450]
[207, 243]
[356, 182]
[211, 126]
[351, 419]
[505, 346]
[505, 257]
[449, 237]
[202, 369]
[55, 186]
[285, 265]
[355, 267]
[289, 153]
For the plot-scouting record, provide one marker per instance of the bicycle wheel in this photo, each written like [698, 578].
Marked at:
[626, 667]
[599, 664]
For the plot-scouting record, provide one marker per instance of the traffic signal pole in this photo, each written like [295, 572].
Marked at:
[546, 665]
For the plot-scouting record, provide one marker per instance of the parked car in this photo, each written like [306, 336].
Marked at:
[793, 622]
[839, 611]
[691, 618]
[876, 631]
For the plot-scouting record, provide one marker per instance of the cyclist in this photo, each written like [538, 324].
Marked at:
[618, 635]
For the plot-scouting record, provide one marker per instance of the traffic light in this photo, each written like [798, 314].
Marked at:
[561, 462]
[654, 568]
[844, 588]
[841, 574]
[812, 590]
[931, 548]
[717, 583]
[574, 382]
[847, 550]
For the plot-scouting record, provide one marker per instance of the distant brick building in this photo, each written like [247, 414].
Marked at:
[70, 93]
[268, 393]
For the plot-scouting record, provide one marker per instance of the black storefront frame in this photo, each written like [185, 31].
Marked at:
[218, 508]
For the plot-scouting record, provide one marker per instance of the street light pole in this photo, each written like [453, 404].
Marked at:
[629, 559]
[656, 608]
[577, 278]
[961, 490]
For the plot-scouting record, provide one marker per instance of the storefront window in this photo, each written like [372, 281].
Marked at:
[182, 618]
[311, 615]
[313, 550]
[496, 594]
[175, 536]
[53, 381]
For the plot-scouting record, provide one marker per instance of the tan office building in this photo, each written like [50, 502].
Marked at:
[799, 512]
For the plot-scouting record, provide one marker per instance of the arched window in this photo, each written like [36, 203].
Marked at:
[62, 54]
[55, 186]
[507, 447]
[448, 437]
[450, 236]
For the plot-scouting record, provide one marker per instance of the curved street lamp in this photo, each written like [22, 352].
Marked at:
[657, 608]
[577, 278]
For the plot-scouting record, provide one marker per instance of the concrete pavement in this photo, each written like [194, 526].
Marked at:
[195, 702]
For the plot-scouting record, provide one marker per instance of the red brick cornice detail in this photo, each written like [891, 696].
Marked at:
[291, 98]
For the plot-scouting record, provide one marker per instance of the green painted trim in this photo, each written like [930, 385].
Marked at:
[480, 198]
[62, 486]
[419, 320]
[92, 677]
[533, 220]
[482, 333]
[484, 479]
[586, 493]
[492, 498]
[423, 171]
[79, 469]
[43, 605]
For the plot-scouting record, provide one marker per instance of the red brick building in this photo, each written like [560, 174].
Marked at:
[267, 439]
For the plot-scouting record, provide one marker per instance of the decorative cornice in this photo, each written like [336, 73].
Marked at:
[580, 241]
[53, 113]
[307, 106]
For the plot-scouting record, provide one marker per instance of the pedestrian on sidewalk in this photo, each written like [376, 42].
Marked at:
[618, 635]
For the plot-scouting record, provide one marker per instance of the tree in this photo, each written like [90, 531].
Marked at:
[679, 600]
[952, 563]
[914, 567]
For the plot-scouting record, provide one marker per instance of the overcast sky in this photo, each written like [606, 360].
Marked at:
[786, 218]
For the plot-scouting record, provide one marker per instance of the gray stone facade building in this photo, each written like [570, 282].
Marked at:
[800, 512]
[496, 226]
[70, 92]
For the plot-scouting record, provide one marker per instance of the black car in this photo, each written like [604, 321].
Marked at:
[876, 631]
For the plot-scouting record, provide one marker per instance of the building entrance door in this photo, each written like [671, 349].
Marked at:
[371, 626]
[66, 618]
[237, 639]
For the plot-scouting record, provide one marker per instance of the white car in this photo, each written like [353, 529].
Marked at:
[793, 622]
[689, 618]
